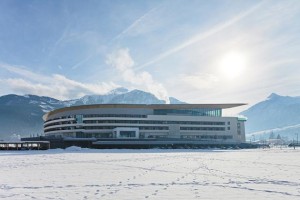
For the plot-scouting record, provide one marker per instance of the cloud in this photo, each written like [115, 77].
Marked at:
[55, 85]
[75, 66]
[122, 61]
[22, 71]
[201, 36]
[200, 81]
[135, 24]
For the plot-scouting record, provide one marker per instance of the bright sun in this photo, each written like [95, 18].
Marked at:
[232, 65]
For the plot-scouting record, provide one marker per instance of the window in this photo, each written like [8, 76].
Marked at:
[127, 134]
[78, 119]
[189, 112]
[202, 128]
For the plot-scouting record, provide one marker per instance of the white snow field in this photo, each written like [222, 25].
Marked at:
[150, 174]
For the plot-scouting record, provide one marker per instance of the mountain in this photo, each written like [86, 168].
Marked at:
[175, 101]
[22, 115]
[121, 96]
[97, 99]
[277, 113]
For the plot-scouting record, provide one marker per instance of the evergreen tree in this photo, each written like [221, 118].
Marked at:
[278, 137]
[272, 136]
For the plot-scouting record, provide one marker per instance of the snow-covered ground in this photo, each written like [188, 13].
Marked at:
[150, 174]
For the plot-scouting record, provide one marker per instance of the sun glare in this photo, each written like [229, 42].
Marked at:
[232, 65]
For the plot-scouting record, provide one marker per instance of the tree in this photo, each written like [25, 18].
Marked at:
[272, 136]
[278, 137]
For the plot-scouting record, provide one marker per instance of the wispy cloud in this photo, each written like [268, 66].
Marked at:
[122, 61]
[132, 27]
[55, 85]
[75, 66]
[135, 24]
[202, 36]
[199, 81]
[63, 37]
[22, 71]
[91, 40]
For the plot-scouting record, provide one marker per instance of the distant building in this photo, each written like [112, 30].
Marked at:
[196, 122]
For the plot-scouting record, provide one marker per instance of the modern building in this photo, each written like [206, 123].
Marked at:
[141, 123]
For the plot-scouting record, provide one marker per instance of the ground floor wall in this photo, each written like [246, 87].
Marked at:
[139, 144]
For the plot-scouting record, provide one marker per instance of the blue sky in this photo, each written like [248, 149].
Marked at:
[197, 51]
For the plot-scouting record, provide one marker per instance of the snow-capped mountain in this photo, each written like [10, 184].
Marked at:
[97, 99]
[280, 114]
[119, 95]
[22, 115]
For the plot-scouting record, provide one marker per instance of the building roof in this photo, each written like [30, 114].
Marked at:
[145, 106]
